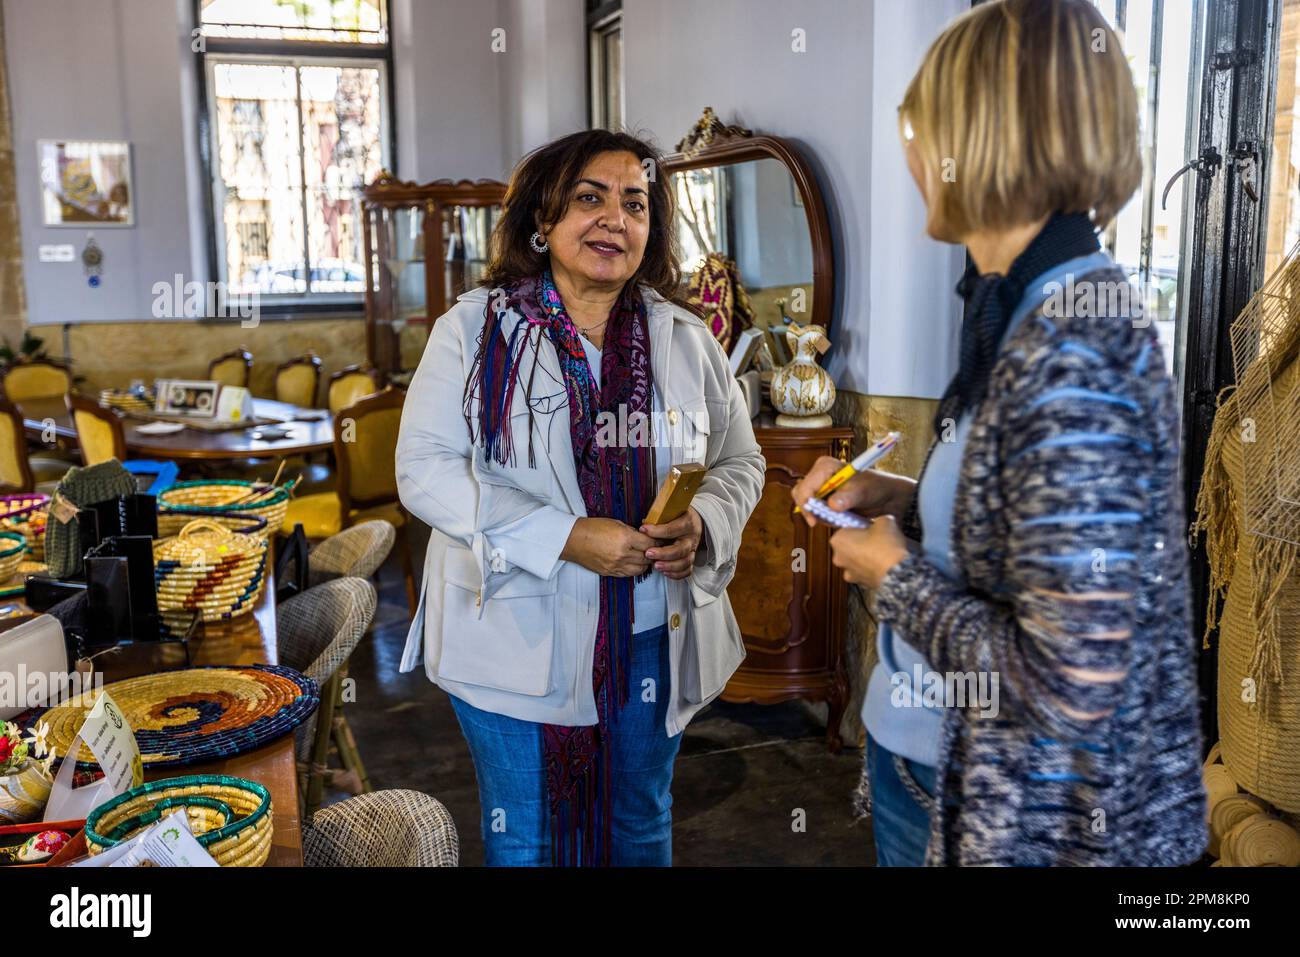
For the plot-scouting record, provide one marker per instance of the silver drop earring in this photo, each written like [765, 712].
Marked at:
[538, 243]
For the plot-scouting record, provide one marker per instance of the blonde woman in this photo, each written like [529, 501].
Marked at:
[1051, 565]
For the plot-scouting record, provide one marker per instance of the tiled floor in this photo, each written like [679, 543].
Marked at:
[744, 774]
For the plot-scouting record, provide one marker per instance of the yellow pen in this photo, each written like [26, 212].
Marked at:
[861, 463]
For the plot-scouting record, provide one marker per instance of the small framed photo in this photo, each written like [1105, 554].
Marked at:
[86, 183]
[745, 350]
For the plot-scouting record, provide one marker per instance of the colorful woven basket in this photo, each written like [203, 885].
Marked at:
[223, 499]
[209, 569]
[125, 401]
[194, 714]
[231, 817]
[26, 514]
[13, 549]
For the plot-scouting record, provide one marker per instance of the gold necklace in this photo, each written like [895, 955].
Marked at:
[586, 333]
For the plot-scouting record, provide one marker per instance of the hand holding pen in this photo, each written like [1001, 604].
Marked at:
[865, 491]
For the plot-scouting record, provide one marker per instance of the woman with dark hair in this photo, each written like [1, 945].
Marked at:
[576, 640]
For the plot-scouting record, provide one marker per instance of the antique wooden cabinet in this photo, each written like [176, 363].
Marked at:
[425, 244]
[755, 200]
[788, 598]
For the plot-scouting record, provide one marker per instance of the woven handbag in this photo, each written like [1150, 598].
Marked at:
[209, 569]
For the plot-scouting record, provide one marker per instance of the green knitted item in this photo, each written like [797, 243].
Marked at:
[81, 486]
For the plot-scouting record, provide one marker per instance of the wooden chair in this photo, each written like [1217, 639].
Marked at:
[37, 379]
[99, 430]
[365, 450]
[348, 385]
[297, 380]
[15, 469]
[355, 552]
[394, 828]
[233, 368]
[343, 389]
[316, 632]
[20, 471]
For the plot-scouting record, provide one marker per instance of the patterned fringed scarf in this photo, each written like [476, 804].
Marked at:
[617, 481]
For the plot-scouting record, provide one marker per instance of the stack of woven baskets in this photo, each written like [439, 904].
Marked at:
[26, 514]
[13, 547]
[229, 502]
[209, 569]
[1245, 831]
[125, 400]
[231, 817]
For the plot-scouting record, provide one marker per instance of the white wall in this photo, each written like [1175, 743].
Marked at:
[118, 69]
[913, 312]
[544, 90]
[101, 69]
[837, 100]
[448, 87]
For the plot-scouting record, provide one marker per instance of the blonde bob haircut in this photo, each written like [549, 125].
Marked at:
[1023, 108]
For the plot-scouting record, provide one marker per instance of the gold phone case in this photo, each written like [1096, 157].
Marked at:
[675, 494]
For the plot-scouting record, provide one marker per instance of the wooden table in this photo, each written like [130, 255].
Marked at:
[248, 640]
[40, 416]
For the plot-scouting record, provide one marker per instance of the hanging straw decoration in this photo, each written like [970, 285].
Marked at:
[1248, 507]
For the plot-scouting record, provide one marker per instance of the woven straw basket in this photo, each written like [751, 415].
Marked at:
[230, 817]
[1258, 731]
[13, 549]
[26, 514]
[125, 401]
[210, 569]
[227, 501]
[1244, 830]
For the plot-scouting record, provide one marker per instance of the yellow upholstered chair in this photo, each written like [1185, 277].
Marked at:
[36, 380]
[348, 385]
[231, 369]
[15, 470]
[297, 380]
[20, 471]
[365, 448]
[99, 430]
[343, 389]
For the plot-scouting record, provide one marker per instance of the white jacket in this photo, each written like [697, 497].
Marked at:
[503, 622]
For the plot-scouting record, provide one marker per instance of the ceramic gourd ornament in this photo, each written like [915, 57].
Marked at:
[802, 391]
[24, 781]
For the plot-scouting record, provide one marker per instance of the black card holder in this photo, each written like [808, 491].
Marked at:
[135, 514]
[122, 601]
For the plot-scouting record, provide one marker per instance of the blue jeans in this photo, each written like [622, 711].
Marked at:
[511, 773]
[900, 824]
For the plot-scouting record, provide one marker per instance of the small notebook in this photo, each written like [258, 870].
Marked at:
[819, 510]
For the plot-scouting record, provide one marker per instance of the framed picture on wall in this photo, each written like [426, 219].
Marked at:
[86, 183]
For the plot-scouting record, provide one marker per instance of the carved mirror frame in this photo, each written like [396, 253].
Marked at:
[711, 143]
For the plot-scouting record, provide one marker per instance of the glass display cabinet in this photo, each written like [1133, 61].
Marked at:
[424, 245]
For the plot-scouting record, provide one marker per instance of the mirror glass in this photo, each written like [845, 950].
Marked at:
[465, 234]
[751, 213]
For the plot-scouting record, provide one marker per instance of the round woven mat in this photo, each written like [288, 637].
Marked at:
[196, 714]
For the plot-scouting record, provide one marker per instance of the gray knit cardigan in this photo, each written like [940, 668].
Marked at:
[1068, 527]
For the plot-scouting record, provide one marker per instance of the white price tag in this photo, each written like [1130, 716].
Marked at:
[110, 739]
